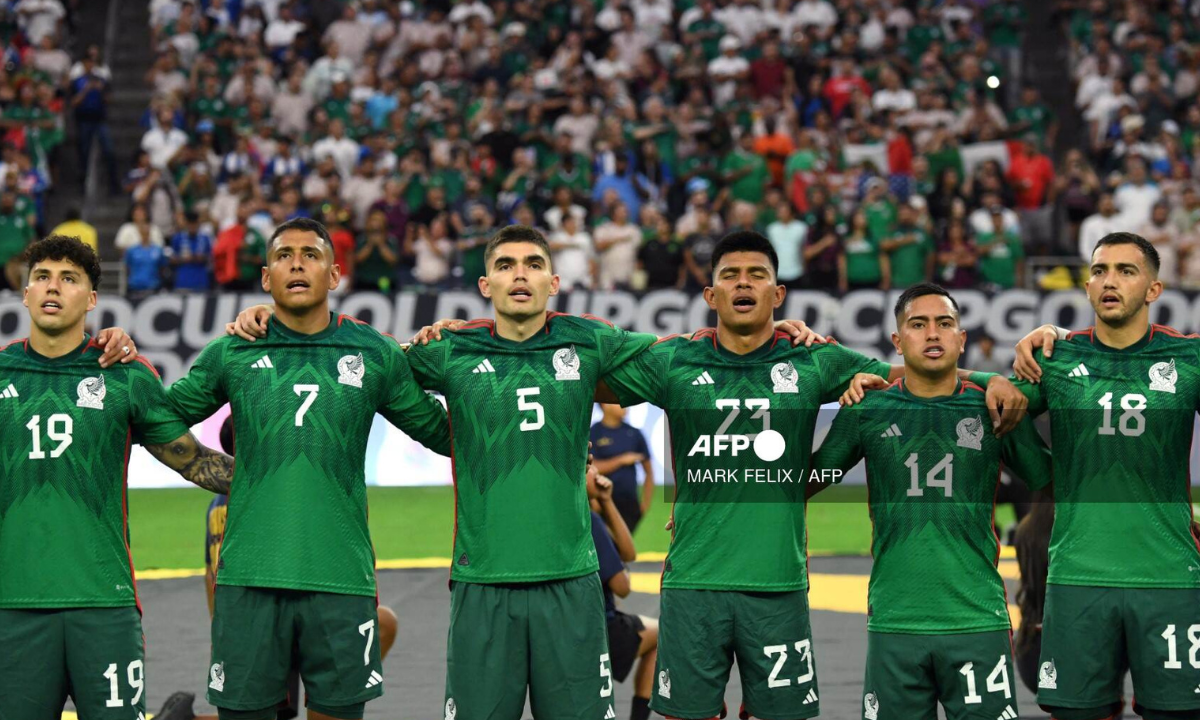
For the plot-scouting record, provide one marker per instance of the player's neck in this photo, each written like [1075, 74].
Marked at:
[1122, 336]
[927, 386]
[55, 345]
[306, 322]
[519, 329]
[742, 342]
[612, 424]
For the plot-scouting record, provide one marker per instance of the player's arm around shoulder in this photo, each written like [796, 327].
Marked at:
[842, 447]
[404, 402]
[644, 376]
[201, 391]
[161, 430]
[837, 366]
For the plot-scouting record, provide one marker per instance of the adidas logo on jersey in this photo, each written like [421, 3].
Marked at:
[811, 697]
[1080, 371]
[704, 379]
[263, 363]
[484, 367]
[609, 714]
[9, 392]
[376, 679]
[1008, 714]
[893, 431]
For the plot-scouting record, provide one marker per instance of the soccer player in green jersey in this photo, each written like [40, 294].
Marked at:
[932, 471]
[70, 621]
[1123, 588]
[302, 403]
[735, 579]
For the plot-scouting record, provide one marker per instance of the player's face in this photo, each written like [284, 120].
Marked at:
[519, 280]
[1120, 285]
[929, 337]
[300, 270]
[59, 295]
[744, 292]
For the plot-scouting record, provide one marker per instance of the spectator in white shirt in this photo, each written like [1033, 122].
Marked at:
[39, 18]
[571, 250]
[562, 208]
[163, 140]
[893, 96]
[282, 31]
[617, 243]
[727, 70]
[630, 40]
[1097, 226]
[1136, 197]
[580, 123]
[336, 145]
[815, 12]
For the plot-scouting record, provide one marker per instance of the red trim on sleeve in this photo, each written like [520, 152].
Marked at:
[14, 342]
[148, 364]
[589, 316]
[968, 385]
[1167, 330]
[1090, 332]
[352, 319]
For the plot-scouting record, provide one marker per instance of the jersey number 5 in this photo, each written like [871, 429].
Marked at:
[525, 404]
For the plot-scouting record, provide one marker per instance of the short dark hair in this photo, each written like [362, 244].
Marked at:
[304, 224]
[745, 241]
[66, 248]
[921, 290]
[226, 435]
[514, 234]
[1128, 238]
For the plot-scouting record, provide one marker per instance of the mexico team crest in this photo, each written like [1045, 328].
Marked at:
[664, 684]
[451, 709]
[1163, 376]
[784, 377]
[970, 433]
[871, 706]
[216, 676]
[1048, 676]
[351, 370]
[566, 364]
[91, 393]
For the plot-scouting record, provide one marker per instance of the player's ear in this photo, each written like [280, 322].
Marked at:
[1154, 291]
[335, 275]
[896, 343]
[91, 301]
[25, 296]
[780, 294]
[266, 281]
[485, 288]
[710, 297]
[554, 284]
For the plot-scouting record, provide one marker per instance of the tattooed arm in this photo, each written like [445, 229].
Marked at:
[198, 464]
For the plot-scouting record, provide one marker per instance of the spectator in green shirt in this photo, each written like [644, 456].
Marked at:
[745, 172]
[880, 212]
[15, 233]
[1033, 116]
[377, 255]
[1001, 256]
[860, 262]
[909, 249]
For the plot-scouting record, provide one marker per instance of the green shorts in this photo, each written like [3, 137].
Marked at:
[970, 674]
[94, 654]
[1092, 635]
[549, 638]
[259, 634]
[700, 632]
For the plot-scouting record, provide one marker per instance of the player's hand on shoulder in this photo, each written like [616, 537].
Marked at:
[434, 331]
[802, 334]
[859, 385]
[251, 323]
[1006, 405]
[118, 346]
[1025, 367]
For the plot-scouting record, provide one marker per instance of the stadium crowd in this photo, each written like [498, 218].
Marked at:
[877, 144]
[39, 84]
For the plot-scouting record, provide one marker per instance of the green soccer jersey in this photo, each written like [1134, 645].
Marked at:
[520, 414]
[1121, 428]
[302, 410]
[66, 425]
[739, 516]
[932, 470]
